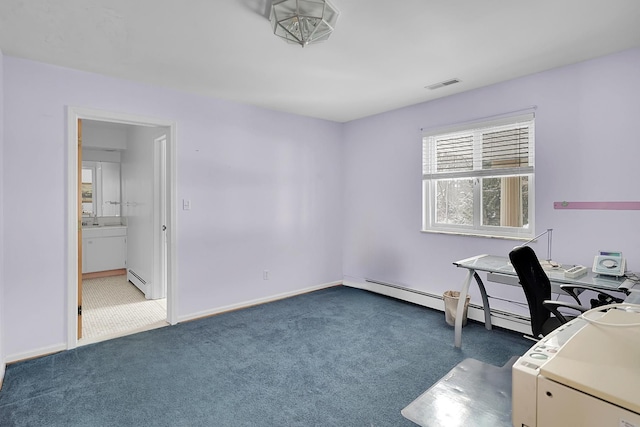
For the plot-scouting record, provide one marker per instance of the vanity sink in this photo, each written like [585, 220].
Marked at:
[103, 231]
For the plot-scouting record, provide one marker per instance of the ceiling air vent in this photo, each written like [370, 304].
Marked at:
[443, 84]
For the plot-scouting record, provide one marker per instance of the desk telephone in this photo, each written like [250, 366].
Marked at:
[609, 263]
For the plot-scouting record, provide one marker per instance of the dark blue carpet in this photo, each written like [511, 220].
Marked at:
[336, 357]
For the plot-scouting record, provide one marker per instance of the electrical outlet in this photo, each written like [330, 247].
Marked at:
[265, 275]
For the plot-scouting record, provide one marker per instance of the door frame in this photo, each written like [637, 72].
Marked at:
[159, 217]
[73, 114]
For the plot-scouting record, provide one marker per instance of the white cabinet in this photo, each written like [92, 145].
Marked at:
[104, 248]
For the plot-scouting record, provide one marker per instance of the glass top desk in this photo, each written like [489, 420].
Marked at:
[502, 266]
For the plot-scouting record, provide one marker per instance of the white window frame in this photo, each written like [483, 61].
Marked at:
[431, 175]
[94, 174]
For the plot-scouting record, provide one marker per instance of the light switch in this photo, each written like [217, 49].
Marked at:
[186, 204]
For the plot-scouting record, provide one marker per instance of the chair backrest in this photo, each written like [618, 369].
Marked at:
[534, 282]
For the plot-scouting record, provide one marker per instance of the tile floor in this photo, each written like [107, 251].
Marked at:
[113, 307]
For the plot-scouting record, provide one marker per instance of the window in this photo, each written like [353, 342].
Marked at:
[88, 201]
[478, 179]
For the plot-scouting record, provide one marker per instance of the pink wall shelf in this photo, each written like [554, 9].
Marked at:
[611, 206]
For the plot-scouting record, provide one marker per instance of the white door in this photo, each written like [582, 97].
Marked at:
[144, 206]
[159, 288]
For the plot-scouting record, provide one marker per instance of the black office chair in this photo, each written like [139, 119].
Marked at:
[537, 289]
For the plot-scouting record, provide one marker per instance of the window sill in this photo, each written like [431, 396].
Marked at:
[486, 236]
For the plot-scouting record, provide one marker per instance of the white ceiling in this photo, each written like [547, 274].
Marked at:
[381, 56]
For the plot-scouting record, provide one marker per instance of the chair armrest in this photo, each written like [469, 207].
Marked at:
[571, 290]
[553, 306]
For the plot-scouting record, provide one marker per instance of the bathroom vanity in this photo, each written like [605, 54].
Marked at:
[104, 248]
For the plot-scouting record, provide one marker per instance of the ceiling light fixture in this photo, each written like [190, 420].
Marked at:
[303, 21]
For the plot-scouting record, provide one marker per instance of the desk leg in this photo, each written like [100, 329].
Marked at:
[485, 301]
[460, 310]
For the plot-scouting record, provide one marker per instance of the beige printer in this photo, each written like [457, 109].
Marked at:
[585, 373]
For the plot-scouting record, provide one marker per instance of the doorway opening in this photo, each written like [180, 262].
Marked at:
[120, 237]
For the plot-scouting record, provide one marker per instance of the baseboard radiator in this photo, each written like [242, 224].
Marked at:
[499, 318]
[138, 281]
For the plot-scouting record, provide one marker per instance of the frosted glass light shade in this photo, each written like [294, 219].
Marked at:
[303, 21]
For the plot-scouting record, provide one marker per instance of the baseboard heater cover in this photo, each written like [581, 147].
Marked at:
[138, 281]
[404, 288]
[144, 282]
[511, 321]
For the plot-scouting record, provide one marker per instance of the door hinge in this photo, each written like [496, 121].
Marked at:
[79, 310]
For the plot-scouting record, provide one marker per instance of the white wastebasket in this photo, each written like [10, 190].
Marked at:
[451, 307]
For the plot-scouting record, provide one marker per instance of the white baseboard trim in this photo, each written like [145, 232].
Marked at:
[250, 303]
[44, 351]
[3, 368]
[499, 318]
[502, 319]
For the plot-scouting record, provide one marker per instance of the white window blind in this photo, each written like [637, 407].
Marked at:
[478, 178]
[490, 150]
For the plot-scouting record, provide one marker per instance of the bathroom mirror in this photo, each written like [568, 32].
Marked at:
[100, 189]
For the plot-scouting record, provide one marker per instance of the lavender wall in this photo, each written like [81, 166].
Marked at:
[2, 205]
[308, 200]
[265, 187]
[587, 149]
